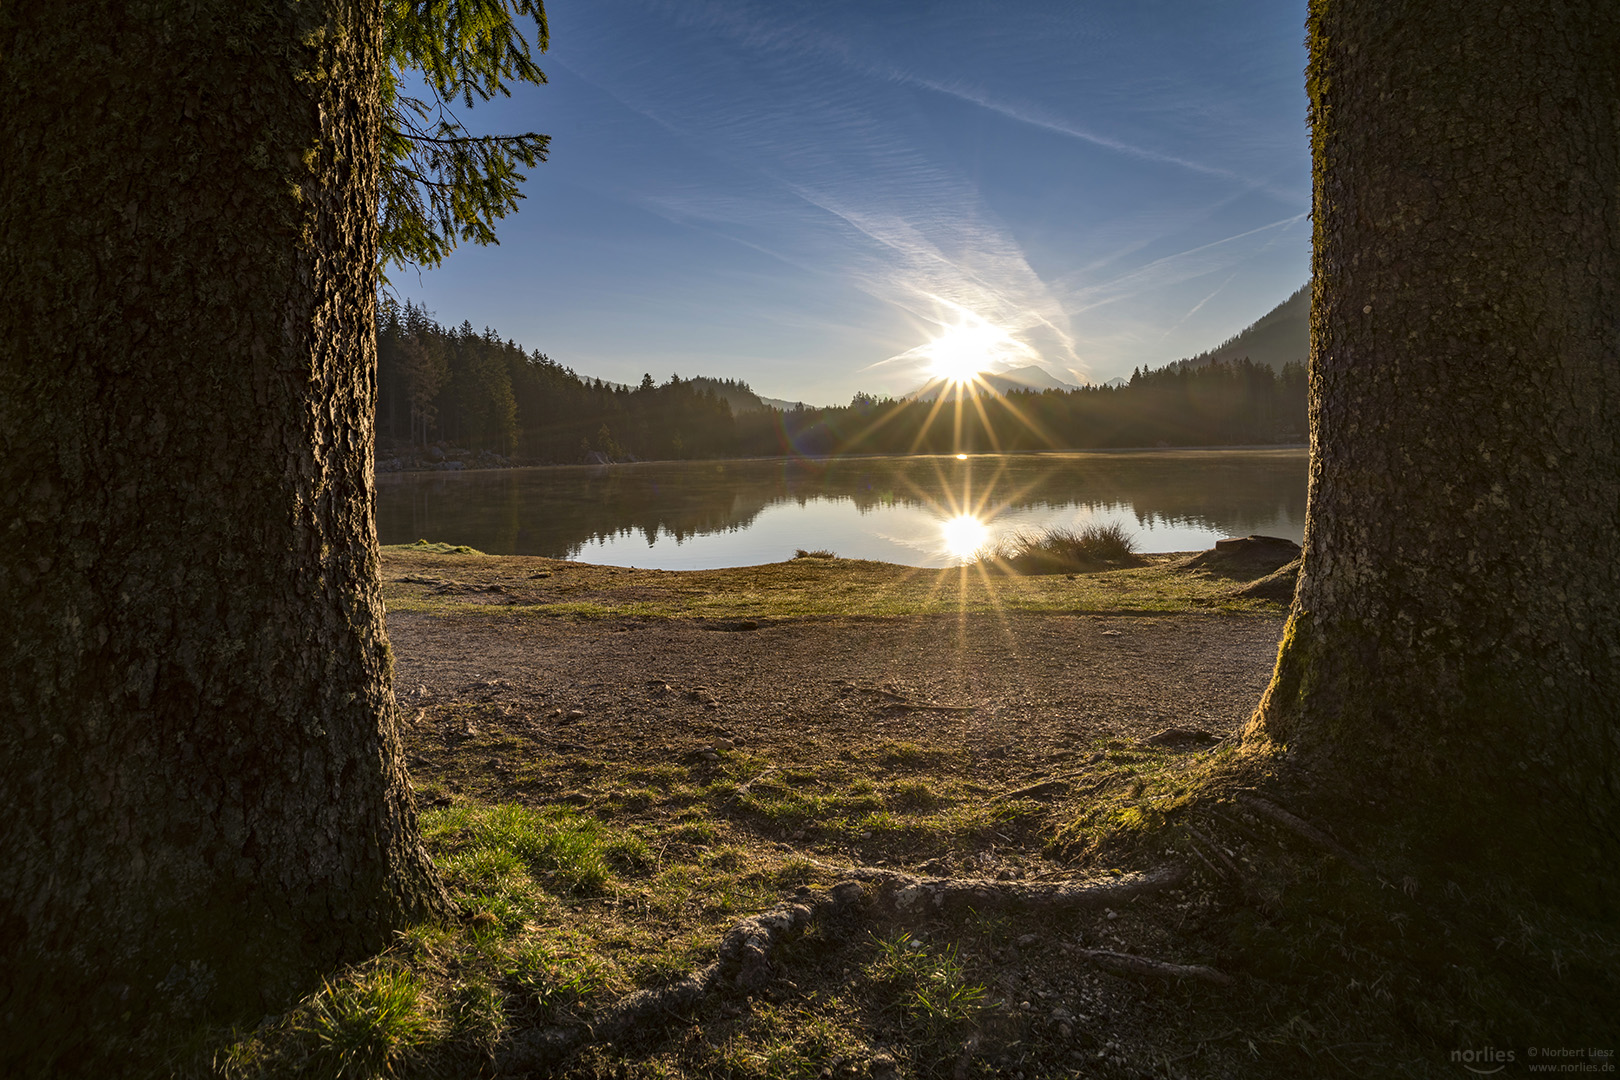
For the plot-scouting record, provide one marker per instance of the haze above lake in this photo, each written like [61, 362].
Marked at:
[919, 511]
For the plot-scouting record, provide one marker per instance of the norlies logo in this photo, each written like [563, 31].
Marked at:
[1484, 1062]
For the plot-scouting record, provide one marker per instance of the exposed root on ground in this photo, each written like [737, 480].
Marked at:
[909, 893]
[1141, 965]
[743, 964]
[1303, 829]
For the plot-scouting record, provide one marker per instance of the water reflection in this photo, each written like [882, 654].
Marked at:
[914, 510]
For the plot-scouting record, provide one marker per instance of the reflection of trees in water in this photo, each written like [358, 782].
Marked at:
[557, 511]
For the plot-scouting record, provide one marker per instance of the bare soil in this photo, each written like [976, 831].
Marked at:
[1019, 692]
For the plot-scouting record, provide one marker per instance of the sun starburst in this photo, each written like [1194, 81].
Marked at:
[962, 352]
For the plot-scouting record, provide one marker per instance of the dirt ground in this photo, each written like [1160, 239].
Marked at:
[1019, 692]
[565, 710]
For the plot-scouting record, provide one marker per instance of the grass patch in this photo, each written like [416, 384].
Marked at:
[1131, 795]
[928, 986]
[819, 553]
[491, 851]
[914, 795]
[363, 1027]
[909, 756]
[1060, 550]
[430, 547]
[419, 580]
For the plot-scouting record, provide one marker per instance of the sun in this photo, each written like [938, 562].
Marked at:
[961, 352]
[964, 535]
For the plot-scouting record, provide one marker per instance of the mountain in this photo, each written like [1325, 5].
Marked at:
[783, 404]
[738, 393]
[1029, 377]
[1280, 336]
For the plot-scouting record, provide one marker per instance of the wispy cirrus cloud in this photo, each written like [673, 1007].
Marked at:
[866, 202]
[1033, 167]
[1182, 266]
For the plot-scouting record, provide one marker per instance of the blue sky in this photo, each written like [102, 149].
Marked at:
[804, 195]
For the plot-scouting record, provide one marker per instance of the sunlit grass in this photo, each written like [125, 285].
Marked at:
[797, 588]
[819, 553]
[1060, 550]
[360, 1028]
[927, 985]
[486, 849]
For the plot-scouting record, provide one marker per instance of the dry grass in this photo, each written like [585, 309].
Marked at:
[523, 586]
[1059, 550]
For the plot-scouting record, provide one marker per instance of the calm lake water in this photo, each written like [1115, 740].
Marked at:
[920, 511]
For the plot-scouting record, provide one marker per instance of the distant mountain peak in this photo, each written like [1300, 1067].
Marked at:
[1280, 336]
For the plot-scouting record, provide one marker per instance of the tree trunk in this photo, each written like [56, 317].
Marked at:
[205, 802]
[1450, 675]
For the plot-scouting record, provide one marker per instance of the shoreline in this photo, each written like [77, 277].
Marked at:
[439, 579]
[824, 460]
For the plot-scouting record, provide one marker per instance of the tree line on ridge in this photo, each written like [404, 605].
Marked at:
[453, 385]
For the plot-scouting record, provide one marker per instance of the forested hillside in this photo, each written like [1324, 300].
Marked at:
[440, 387]
[1280, 337]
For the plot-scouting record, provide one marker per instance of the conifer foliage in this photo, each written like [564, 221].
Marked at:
[439, 183]
[454, 385]
[476, 391]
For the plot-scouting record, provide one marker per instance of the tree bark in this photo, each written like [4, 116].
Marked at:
[205, 802]
[1450, 674]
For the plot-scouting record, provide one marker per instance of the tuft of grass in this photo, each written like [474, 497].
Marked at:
[362, 1028]
[490, 850]
[1060, 550]
[929, 986]
[431, 547]
[819, 553]
[914, 795]
[908, 755]
[549, 987]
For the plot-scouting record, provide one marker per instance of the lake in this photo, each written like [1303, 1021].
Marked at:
[920, 511]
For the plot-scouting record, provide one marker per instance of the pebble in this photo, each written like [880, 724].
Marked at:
[1027, 940]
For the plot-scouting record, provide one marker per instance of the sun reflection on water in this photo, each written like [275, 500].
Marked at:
[964, 535]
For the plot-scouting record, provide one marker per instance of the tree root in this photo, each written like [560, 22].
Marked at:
[1042, 790]
[743, 964]
[907, 892]
[1141, 965]
[1231, 873]
[902, 701]
[1305, 830]
[742, 789]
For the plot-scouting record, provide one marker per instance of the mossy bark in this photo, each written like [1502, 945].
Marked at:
[205, 802]
[1450, 677]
